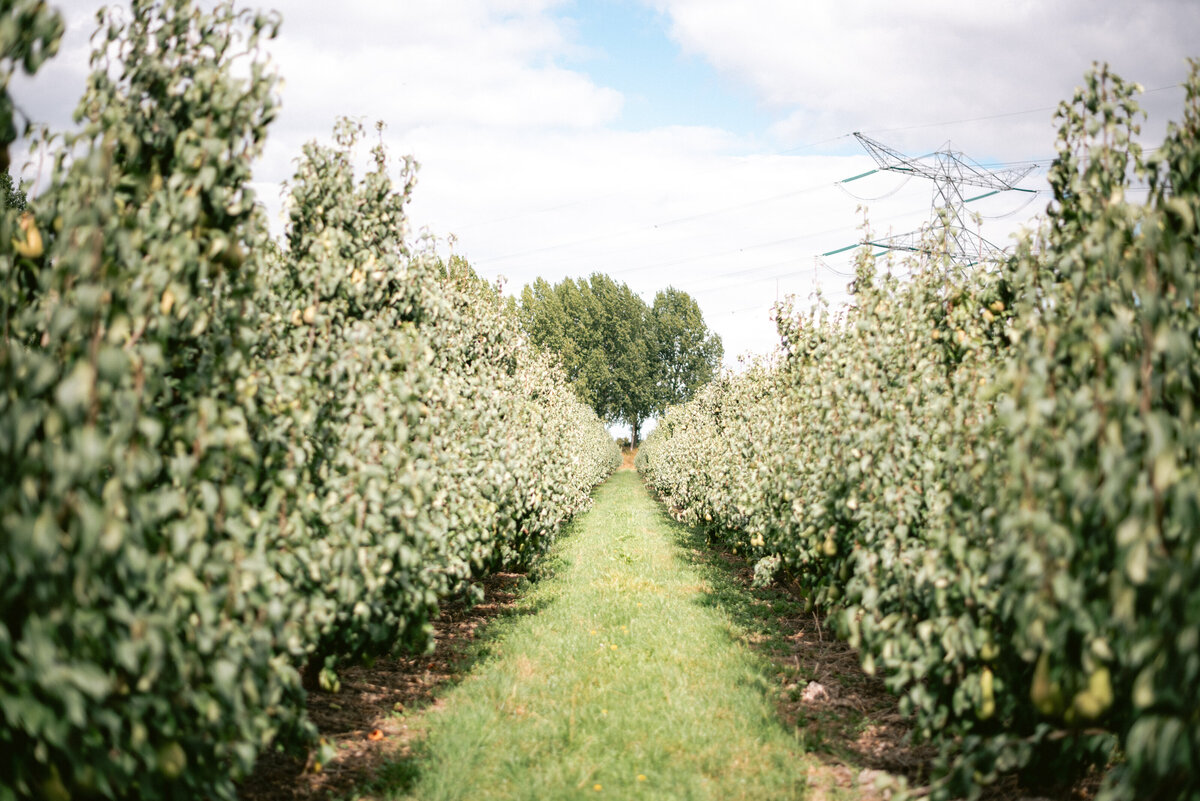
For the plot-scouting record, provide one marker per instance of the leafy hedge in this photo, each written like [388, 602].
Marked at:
[225, 462]
[990, 478]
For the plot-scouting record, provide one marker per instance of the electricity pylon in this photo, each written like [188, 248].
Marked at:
[950, 171]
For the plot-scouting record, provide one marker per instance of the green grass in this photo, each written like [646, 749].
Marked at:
[755, 615]
[632, 680]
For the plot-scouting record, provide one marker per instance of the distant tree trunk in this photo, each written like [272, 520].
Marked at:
[635, 427]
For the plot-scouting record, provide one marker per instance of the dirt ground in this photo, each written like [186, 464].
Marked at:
[849, 719]
[361, 720]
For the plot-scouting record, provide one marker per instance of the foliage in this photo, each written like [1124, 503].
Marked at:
[685, 354]
[222, 459]
[30, 35]
[599, 329]
[129, 560]
[988, 478]
[629, 361]
[11, 195]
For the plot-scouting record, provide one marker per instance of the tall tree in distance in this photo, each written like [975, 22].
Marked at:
[11, 195]
[686, 353]
[629, 361]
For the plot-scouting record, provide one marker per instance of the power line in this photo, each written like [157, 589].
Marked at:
[786, 151]
[1039, 110]
[1022, 166]
[740, 206]
[842, 185]
[663, 224]
[769, 305]
[690, 218]
[702, 215]
[619, 192]
[962, 121]
[950, 171]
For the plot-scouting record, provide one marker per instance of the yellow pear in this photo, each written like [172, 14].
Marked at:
[1045, 694]
[31, 247]
[987, 706]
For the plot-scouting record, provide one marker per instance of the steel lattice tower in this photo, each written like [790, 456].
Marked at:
[950, 172]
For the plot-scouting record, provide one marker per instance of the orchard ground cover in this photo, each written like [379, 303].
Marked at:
[639, 676]
[366, 722]
[513, 665]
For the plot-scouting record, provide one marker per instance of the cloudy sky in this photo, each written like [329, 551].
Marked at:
[691, 143]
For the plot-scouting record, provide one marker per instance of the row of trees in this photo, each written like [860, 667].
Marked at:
[988, 479]
[626, 359]
[229, 464]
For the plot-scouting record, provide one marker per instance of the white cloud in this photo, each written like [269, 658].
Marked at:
[879, 64]
[522, 162]
[432, 62]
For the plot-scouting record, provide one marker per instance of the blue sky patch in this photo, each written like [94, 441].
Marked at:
[627, 47]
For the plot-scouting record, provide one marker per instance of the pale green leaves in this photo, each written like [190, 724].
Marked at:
[990, 476]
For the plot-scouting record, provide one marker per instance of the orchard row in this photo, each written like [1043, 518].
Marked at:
[228, 463]
[989, 478]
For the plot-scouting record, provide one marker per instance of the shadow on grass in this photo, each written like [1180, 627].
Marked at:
[372, 722]
[844, 717]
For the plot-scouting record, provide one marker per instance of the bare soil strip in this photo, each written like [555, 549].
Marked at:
[361, 721]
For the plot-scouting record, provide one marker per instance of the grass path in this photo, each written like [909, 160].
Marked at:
[622, 680]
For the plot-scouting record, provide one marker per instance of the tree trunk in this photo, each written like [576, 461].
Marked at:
[634, 427]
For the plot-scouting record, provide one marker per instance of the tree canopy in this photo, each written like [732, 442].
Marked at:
[11, 195]
[626, 359]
